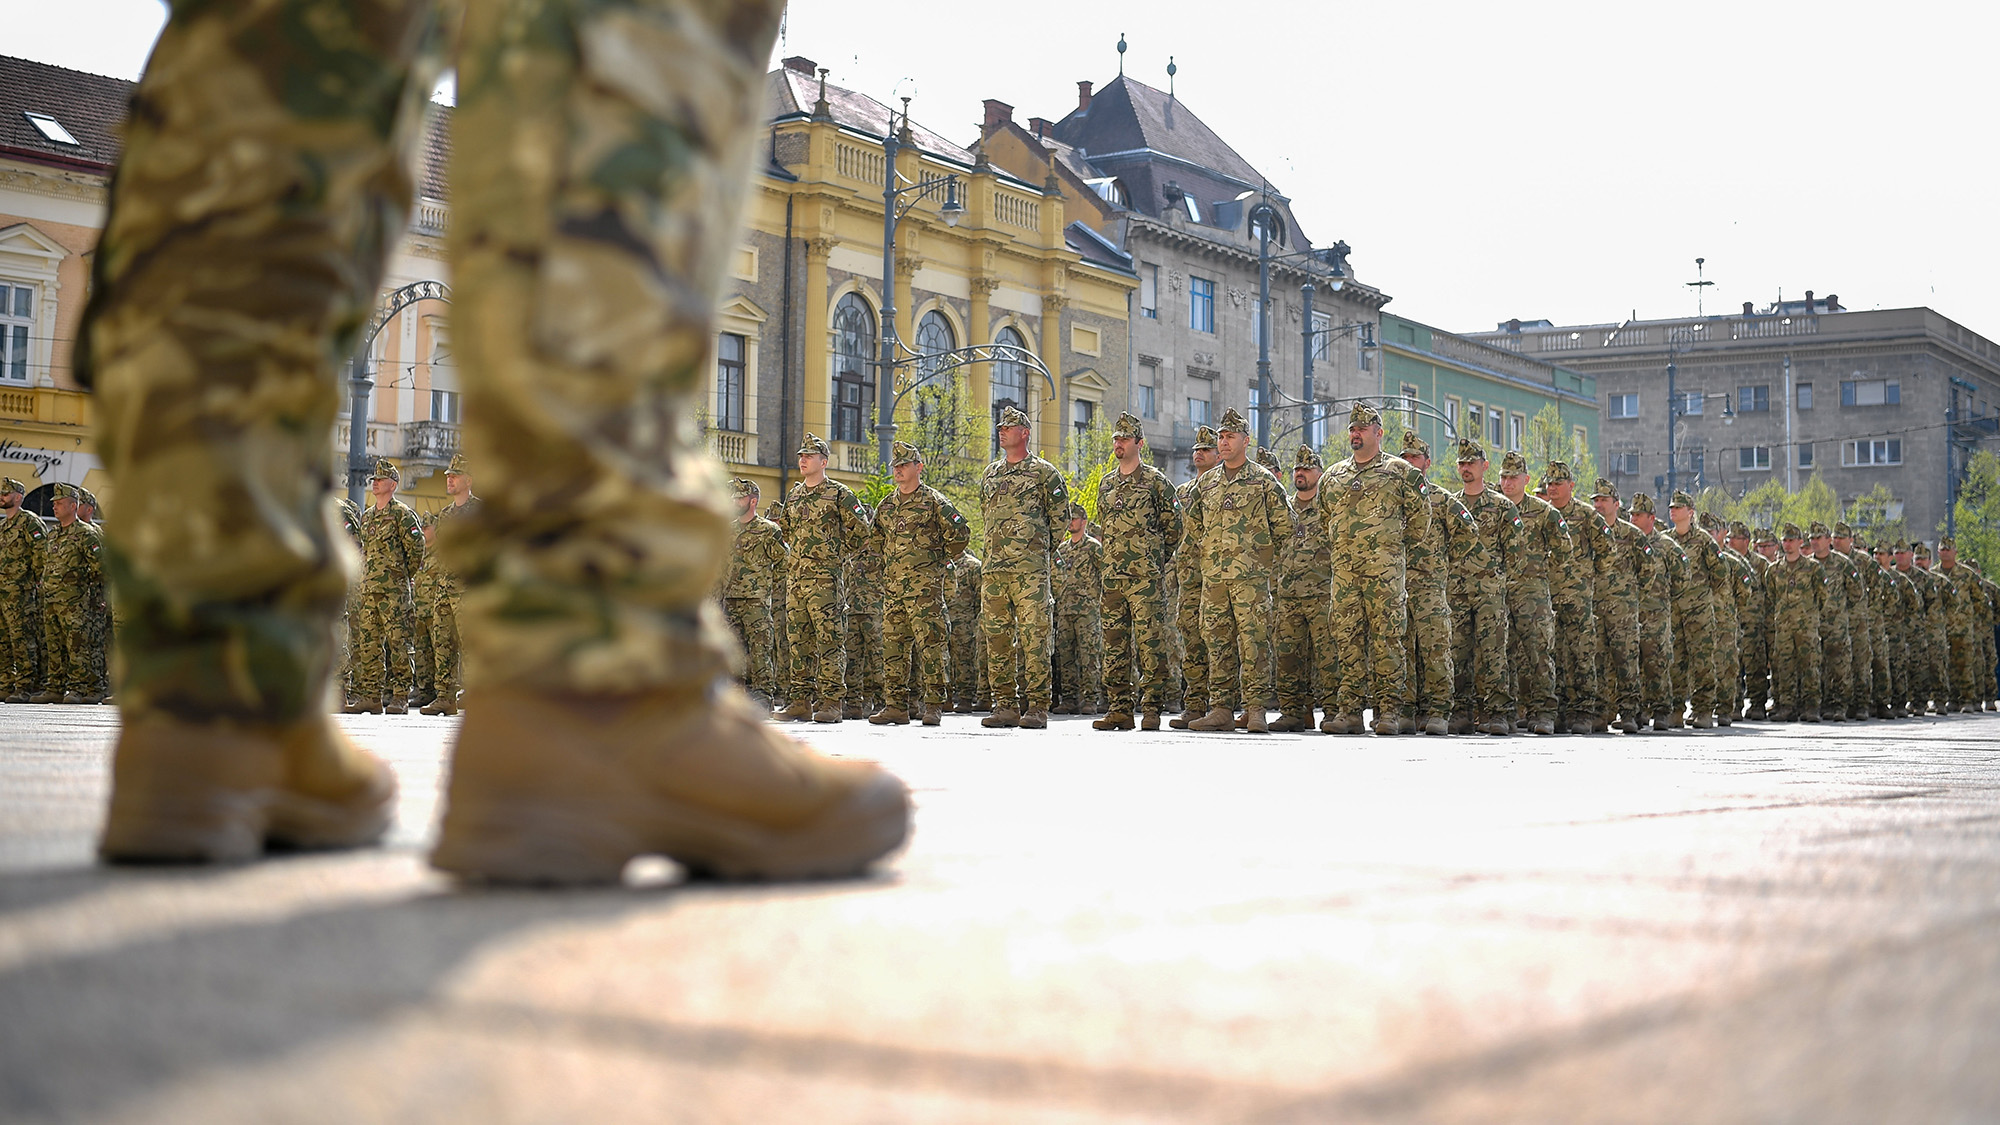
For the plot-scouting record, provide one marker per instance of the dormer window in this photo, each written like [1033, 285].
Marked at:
[51, 129]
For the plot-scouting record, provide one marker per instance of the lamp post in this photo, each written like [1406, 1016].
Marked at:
[1264, 218]
[893, 185]
[1306, 294]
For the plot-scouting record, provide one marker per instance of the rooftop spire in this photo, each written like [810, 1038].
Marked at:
[1171, 71]
[1121, 54]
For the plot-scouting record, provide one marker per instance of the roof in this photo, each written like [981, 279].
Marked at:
[1128, 114]
[1095, 248]
[433, 175]
[90, 107]
[795, 92]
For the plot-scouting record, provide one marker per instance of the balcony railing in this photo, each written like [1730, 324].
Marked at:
[854, 457]
[430, 442]
[732, 447]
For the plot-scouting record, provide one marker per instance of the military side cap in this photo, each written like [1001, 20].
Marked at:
[1947, 543]
[1232, 423]
[1790, 531]
[1643, 502]
[813, 443]
[1414, 444]
[87, 496]
[1204, 437]
[1841, 530]
[1818, 529]
[1076, 512]
[9, 484]
[1764, 535]
[457, 466]
[1470, 450]
[1512, 464]
[1127, 427]
[1557, 473]
[903, 453]
[1921, 550]
[1012, 416]
[1308, 458]
[1269, 460]
[66, 492]
[1605, 489]
[1708, 521]
[1680, 499]
[386, 469]
[743, 486]
[1738, 529]
[1363, 414]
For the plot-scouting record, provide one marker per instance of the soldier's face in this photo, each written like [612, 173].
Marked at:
[1947, 556]
[1819, 545]
[1844, 546]
[1077, 524]
[1421, 460]
[1740, 544]
[1125, 448]
[1014, 439]
[1471, 472]
[1606, 507]
[1306, 478]
[812, 464]
[1792, 548]
[382, 486]
[1232, 446]
[10, 500]
[908, 474]
[455, 484]
[1561, 492]
[1903, 559]
[1204, 459]
[1366, 441]
[1645, 521]
[745, 505]
[1768, 548]
[1515, 485]
[1682, 517]
[64, 508]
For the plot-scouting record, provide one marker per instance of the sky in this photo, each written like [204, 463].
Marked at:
[1536, 159]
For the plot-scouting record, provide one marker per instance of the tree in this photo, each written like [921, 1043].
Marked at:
[1087, 458]
[1870, 514]
[1977, 512]
[1815, 502]
[1760, 507]
[954, 434]
[1549, 438]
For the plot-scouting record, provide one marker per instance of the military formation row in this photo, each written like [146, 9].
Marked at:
[55, 620]
[1367, 588]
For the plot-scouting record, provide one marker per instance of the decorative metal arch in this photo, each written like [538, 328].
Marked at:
[393, 302]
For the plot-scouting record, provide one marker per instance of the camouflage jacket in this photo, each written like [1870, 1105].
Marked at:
[918, 536]
[1240, 518]
[1631, 563]
[1797, 590]
[1140, 521]
[822, 527]
[392, 547]
[1375, 514]
[756, 560]
[1305, 565]
[1706, 568]
[448, 582]
[1078, 580]
[1744, 588]
[861, 579]
[71, 572]
[1837, 572]
[1025, 505]
[23, 550]
[1500, 526]
[1467, 561]
[1663, 559]
[1550, 556]
[1960, 617]
[962, 600]
[1590, 540]
[1187, 557]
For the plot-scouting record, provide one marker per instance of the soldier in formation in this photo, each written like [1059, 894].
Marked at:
[824, 525]
[1078, 587]
[1240, 517]
[917, 533]
[446, 662]
[381, 606]
[23, 556]
[1140, 518]
[1308, 666]
[756, 568]
[1024, 506]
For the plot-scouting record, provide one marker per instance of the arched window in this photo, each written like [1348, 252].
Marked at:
[1010, 380]
[853, 351]
[934, 338]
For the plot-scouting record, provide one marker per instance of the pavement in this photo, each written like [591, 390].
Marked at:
[1763, 924]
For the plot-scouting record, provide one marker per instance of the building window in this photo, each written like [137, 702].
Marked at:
[1582, 437]
[1322, 335]
[1751, 400]
[1517, 425]
[1148, 403]
[1409, 405]
[934, 338]
[17, 316]
[1198, 411]
[1451, 408]
[1691, 402]
[1495, 420]
[729, 354]
[1871, 392]
[1876, 451]
[1256, 322]
[1082, 413]
[1697, 464]
[1805, 396]
[1624, 405]
[1201, 304]
[1805, 455]
[1010, 380]
[853, 350]
[1149, 291]
[444, 406]
[1753, 457]
[1625, 464]
[1256, 411]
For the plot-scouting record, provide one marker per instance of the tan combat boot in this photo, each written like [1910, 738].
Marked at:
[1117, 720]
[1149, 721]
[933, 714]
[218, 792]
[828, 713]
[888, 715]
[558, 788]
[1345, 723]
[1388, 724]
[1287, 722]
[1034, 720]
[798, 711]
[1002, 717]
[1253, 721]
[1218, 718]
[1186, 719]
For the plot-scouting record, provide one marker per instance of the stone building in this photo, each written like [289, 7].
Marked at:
[1161, 187]
[1803, 387]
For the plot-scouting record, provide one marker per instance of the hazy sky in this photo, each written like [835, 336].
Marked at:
[1534, 159]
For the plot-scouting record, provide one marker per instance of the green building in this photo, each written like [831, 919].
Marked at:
[1453, 386]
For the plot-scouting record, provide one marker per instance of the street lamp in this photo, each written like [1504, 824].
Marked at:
[1264, 218]
[894, 184]
[1678, 341]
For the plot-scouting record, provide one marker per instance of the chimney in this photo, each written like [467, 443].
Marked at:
[998, 113]
[1809, 302]
[1747, 306]
[1833, 302]
[1082, 97]
[1514, 326]
[801, 64]
[1039, 126]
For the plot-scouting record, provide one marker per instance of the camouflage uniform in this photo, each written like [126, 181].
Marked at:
[1531, 621]
[423, 605]
[1241, 518]
[756, 567]
[1447, 564]
[1209, 672]
[23, 553]
[1897, 607]
[1881, 680]
[1308, 667]
[861, 604]
[1989, 611]
[1798, 590]
[824, 524]
[1657, 639]
[1836, 666]
[1077, 584]
[1375, 517]
[1960, 621]
[392, 550]
[1860, 628]
[350, 523]
[446, 643]
[1142, 524]
[1580, 668]
[1023, 505]
[1730, 573]
[1924, 643]
[72, 593]
[1696, 570]
[968, 643]
[1629, 568]
[1479, 624]
[917, 535]
[1754, 621]
[781, 648]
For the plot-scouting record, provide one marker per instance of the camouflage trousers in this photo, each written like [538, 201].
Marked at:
[445, 646]
[1940, 667]
[68, 661]
[1370, 613]
[1695, 659]
[1531, 646]
[1579, 664]
[1236, 613]
[1657, 643]
[1965, 657]
[1480, 685]
[20, 645]
[420, 633]
[864, 658]
[1210, 671]
[813, 621]
[1836, 666]
[750, 620]
[1895, 654]
[781, 646]
[1014, 615]
[1879, 661]
[1134, 621]
[379, 637]
[1728, 666]
[1618, 641]
[605, 183]
[1427, 645]
[1861, 661]
[968, 664]
[913, 634]
[1754, 655]
[1079, 662]
[1308, 669]
[1795, 675]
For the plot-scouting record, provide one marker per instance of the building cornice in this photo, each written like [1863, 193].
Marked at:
[78, 185]
[1353, 291]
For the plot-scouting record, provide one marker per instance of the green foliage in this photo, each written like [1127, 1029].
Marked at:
[1870, 514]
[1712, 499]
[1977, 512]
[1086, 460]
[1760, 506]
[955, 436]
[1816, 501]
[1549, 439]
[880, 483]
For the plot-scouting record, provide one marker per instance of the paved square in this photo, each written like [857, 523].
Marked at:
[1761, 924]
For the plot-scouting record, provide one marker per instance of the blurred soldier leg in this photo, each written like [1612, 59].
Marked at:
[424, 605]
[444, 653]
[750, 620]
[863, 647]
[1795, 673]
[1480, 696]
[1836, 673]
[816, 629]
[1578, 669]
[1656, 669]
[1134, 641]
